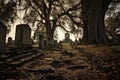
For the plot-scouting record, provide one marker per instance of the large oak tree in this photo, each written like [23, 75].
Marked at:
[53, 13]
[93, 12]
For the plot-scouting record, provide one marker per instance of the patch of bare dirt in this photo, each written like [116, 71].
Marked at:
[90, 62]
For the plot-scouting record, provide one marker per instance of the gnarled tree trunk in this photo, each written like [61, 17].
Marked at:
[93, 12]
[50, 40]
[50, 29]
[49, 34]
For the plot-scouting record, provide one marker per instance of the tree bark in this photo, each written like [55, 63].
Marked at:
[49, 37]
[49, 34]
[50, 29]
[93, 12]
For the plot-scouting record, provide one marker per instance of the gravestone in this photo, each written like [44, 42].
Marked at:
[79, 42]
[76, 42]
[45, 43]
[115, 40]
[3, 31]
[67, 38]
[55, 44]
[10, 42]
[23, 36]
[41, 41]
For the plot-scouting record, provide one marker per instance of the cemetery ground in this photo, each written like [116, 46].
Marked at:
[91, 62]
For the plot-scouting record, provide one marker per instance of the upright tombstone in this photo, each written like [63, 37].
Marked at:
[55, 44]
[23, 36]
[76, 42]
[41, 41]
[67, 38]
[10, 42]
[79, 42]
[3, 31]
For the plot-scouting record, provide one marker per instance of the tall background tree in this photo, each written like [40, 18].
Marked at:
[52, 13]
[7, 12]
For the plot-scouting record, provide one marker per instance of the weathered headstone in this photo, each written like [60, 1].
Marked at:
[23, 36]
[115, 41]
[67, 38]
[10, 42]
[3, 31]
[50, 44]
[55, 43]
[45, 43]
[41, 41]
[76, 42]
[79, 40]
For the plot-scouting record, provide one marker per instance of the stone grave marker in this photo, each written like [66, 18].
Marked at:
[55, 44]
[10, 42]
[41, 41]
[67, 38]
[23, 36]
[3, 31]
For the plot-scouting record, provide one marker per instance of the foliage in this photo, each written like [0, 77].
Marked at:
[53, 13]
[113, 20]
[7, 11]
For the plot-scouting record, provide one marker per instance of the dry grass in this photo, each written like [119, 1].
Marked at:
[92, 56]
[101, 50]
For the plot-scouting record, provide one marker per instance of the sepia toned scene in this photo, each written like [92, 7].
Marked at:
[59, 39]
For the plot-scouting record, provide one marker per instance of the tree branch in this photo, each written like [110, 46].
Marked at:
[41, 16]
[62, 27]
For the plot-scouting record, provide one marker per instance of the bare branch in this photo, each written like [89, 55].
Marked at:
[62, 27]
[41, 16]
